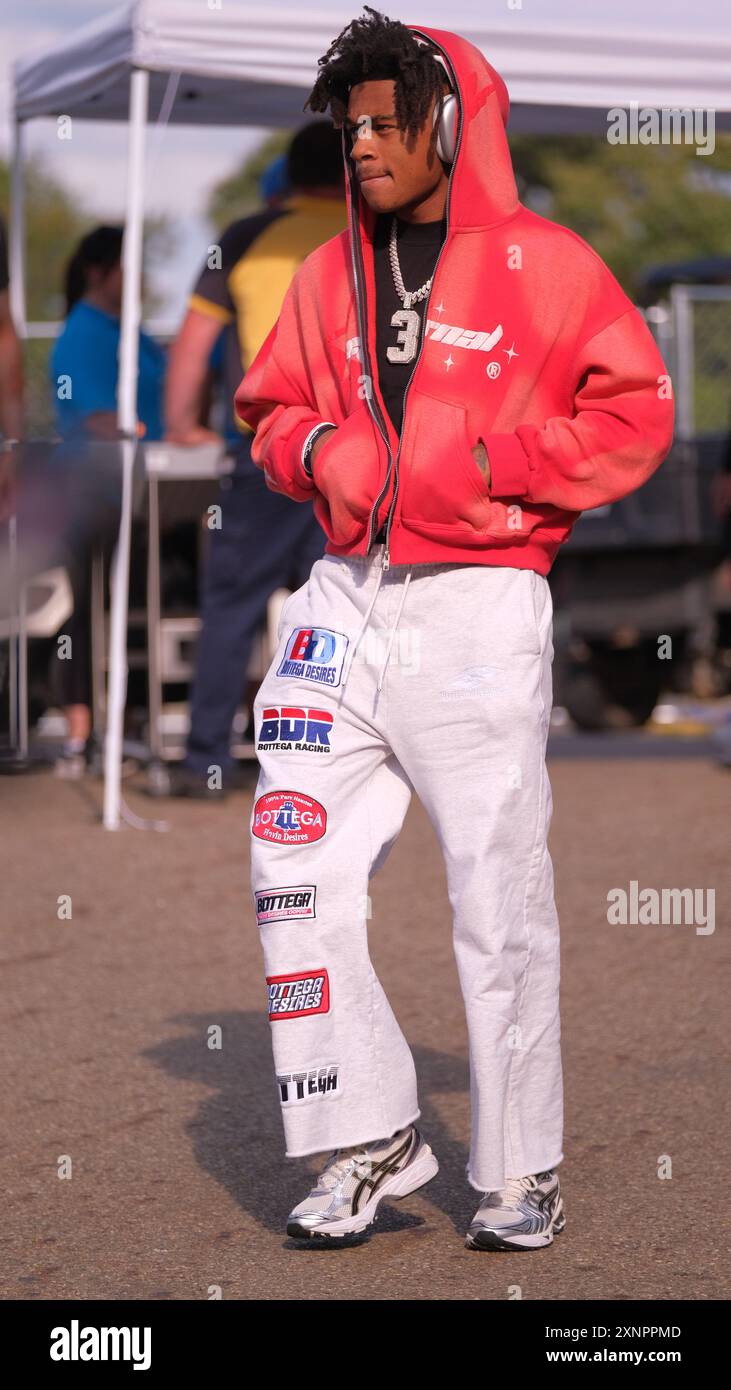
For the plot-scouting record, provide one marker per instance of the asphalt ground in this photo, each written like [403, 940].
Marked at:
[179, 1183]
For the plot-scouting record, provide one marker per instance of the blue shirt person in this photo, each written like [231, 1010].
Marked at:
[84, 369]
[84, 362]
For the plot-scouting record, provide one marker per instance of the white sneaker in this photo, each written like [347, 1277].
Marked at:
[347, 1193]
[523, 1215]
[71, 764]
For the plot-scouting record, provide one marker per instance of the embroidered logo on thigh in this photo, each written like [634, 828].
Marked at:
[314, 654]
[295, 996]
[308, 1084]
[290, 904]
[292, 728]
[289, 818]
[474, 680]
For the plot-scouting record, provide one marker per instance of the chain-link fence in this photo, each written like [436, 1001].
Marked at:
[39, 413]
[693, 333]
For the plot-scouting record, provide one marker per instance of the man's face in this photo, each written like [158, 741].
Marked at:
[396, 171]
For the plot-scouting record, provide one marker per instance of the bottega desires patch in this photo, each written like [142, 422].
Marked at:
[296, 996]
[288, 818]
[314, 654]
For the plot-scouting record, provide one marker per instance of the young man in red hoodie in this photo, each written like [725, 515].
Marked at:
[451, 381]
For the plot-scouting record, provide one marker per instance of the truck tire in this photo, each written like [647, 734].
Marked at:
[614, 689]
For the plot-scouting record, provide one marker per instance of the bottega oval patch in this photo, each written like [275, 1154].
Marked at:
[288, 818]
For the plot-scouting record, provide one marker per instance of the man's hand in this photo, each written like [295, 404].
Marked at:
[102, 424]
[479, 454]
[196, 434]
[8, 484]
[11, 373]
[721, 494]
[321, 439]
[186, 379]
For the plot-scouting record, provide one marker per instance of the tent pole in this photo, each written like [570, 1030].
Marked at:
[127, 421]
[16, 249]
[16, 269]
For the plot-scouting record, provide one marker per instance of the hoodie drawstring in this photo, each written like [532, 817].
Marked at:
[363, 626]
[407, 581]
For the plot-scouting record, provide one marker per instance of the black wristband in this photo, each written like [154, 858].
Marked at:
[309, 444]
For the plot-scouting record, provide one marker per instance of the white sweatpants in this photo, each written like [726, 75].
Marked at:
[435, 679]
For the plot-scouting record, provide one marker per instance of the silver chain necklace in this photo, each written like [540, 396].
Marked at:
[407, 297]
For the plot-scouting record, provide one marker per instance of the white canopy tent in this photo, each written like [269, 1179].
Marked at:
[229, 62]
[252, 64]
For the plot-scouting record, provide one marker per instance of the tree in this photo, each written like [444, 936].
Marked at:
[238, 195]
[635, 204]
[54, 225]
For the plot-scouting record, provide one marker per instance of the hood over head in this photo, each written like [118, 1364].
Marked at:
[482, 183]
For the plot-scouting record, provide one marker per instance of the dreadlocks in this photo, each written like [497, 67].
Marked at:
[370, 49]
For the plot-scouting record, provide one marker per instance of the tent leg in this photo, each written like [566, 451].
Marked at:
[98, 658]
[127, 420]
[16, 247]
[23, 672]
[16, 267]
[13, 629]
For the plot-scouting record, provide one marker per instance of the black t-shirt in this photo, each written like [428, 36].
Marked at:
[418, 244]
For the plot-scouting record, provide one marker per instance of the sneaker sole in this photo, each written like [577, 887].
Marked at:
[401, 1184]
[66, 775]
[482, 1238]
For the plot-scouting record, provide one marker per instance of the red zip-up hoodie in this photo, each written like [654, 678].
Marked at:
[529, 343]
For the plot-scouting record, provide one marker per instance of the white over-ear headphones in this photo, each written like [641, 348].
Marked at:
[446, 121]
[445, 115]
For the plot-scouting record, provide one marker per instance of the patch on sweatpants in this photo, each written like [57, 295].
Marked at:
[296, 902]
[314, 654]
[288, 818]
[311, 1083]
[474, 680]
[295, 728]
[295, 996]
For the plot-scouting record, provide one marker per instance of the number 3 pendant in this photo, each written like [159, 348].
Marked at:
[408, 323]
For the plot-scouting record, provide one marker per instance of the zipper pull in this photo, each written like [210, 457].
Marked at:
[386, 559]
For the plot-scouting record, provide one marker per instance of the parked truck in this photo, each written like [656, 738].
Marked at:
[639, 609]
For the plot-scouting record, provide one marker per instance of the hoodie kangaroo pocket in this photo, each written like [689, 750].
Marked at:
[347, 474]
[442, 487]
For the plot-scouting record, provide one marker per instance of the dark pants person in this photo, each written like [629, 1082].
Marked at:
[81, 490]
[265, 542]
